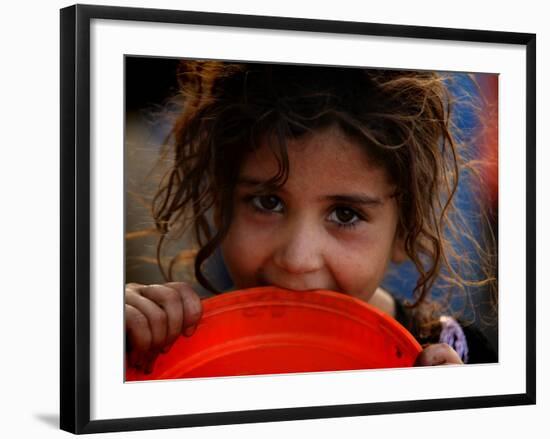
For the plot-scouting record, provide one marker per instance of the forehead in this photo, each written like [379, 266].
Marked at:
[323, 160]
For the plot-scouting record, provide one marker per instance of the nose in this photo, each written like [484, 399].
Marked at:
[300, 248]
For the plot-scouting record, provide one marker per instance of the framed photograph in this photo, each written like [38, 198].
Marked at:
[285, 218]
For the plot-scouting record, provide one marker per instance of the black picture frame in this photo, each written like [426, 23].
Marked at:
[75, 217]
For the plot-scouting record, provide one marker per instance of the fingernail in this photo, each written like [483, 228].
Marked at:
[190, 331]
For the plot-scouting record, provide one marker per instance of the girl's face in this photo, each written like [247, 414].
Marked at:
[331, 226]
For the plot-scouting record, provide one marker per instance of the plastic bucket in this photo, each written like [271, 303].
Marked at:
[270, 331]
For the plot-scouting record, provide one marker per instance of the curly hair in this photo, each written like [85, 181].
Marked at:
[402, 120]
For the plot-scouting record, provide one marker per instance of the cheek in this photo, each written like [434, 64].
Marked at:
[242, 253]
[359, 268]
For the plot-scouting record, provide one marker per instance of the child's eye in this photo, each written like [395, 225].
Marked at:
[345, 217]
[267, 203]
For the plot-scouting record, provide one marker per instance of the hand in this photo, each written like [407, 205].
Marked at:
[436, 355]
[155, 315]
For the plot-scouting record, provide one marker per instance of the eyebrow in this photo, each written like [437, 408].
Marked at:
[359, 199]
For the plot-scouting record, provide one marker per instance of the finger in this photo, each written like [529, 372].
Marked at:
[149, 363]
[192, 306]
[156, 317]
[136, 360]
[170, 301]
[437, 354]
[137, 328]
[143, 361]
[139, 334]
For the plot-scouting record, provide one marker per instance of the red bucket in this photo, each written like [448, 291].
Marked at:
[270, 330]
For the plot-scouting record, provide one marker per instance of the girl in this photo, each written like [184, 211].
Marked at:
[309, 178]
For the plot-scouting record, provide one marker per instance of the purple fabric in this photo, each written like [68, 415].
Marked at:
[453, 335]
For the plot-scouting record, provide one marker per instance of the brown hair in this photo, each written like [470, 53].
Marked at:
[401, 118]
